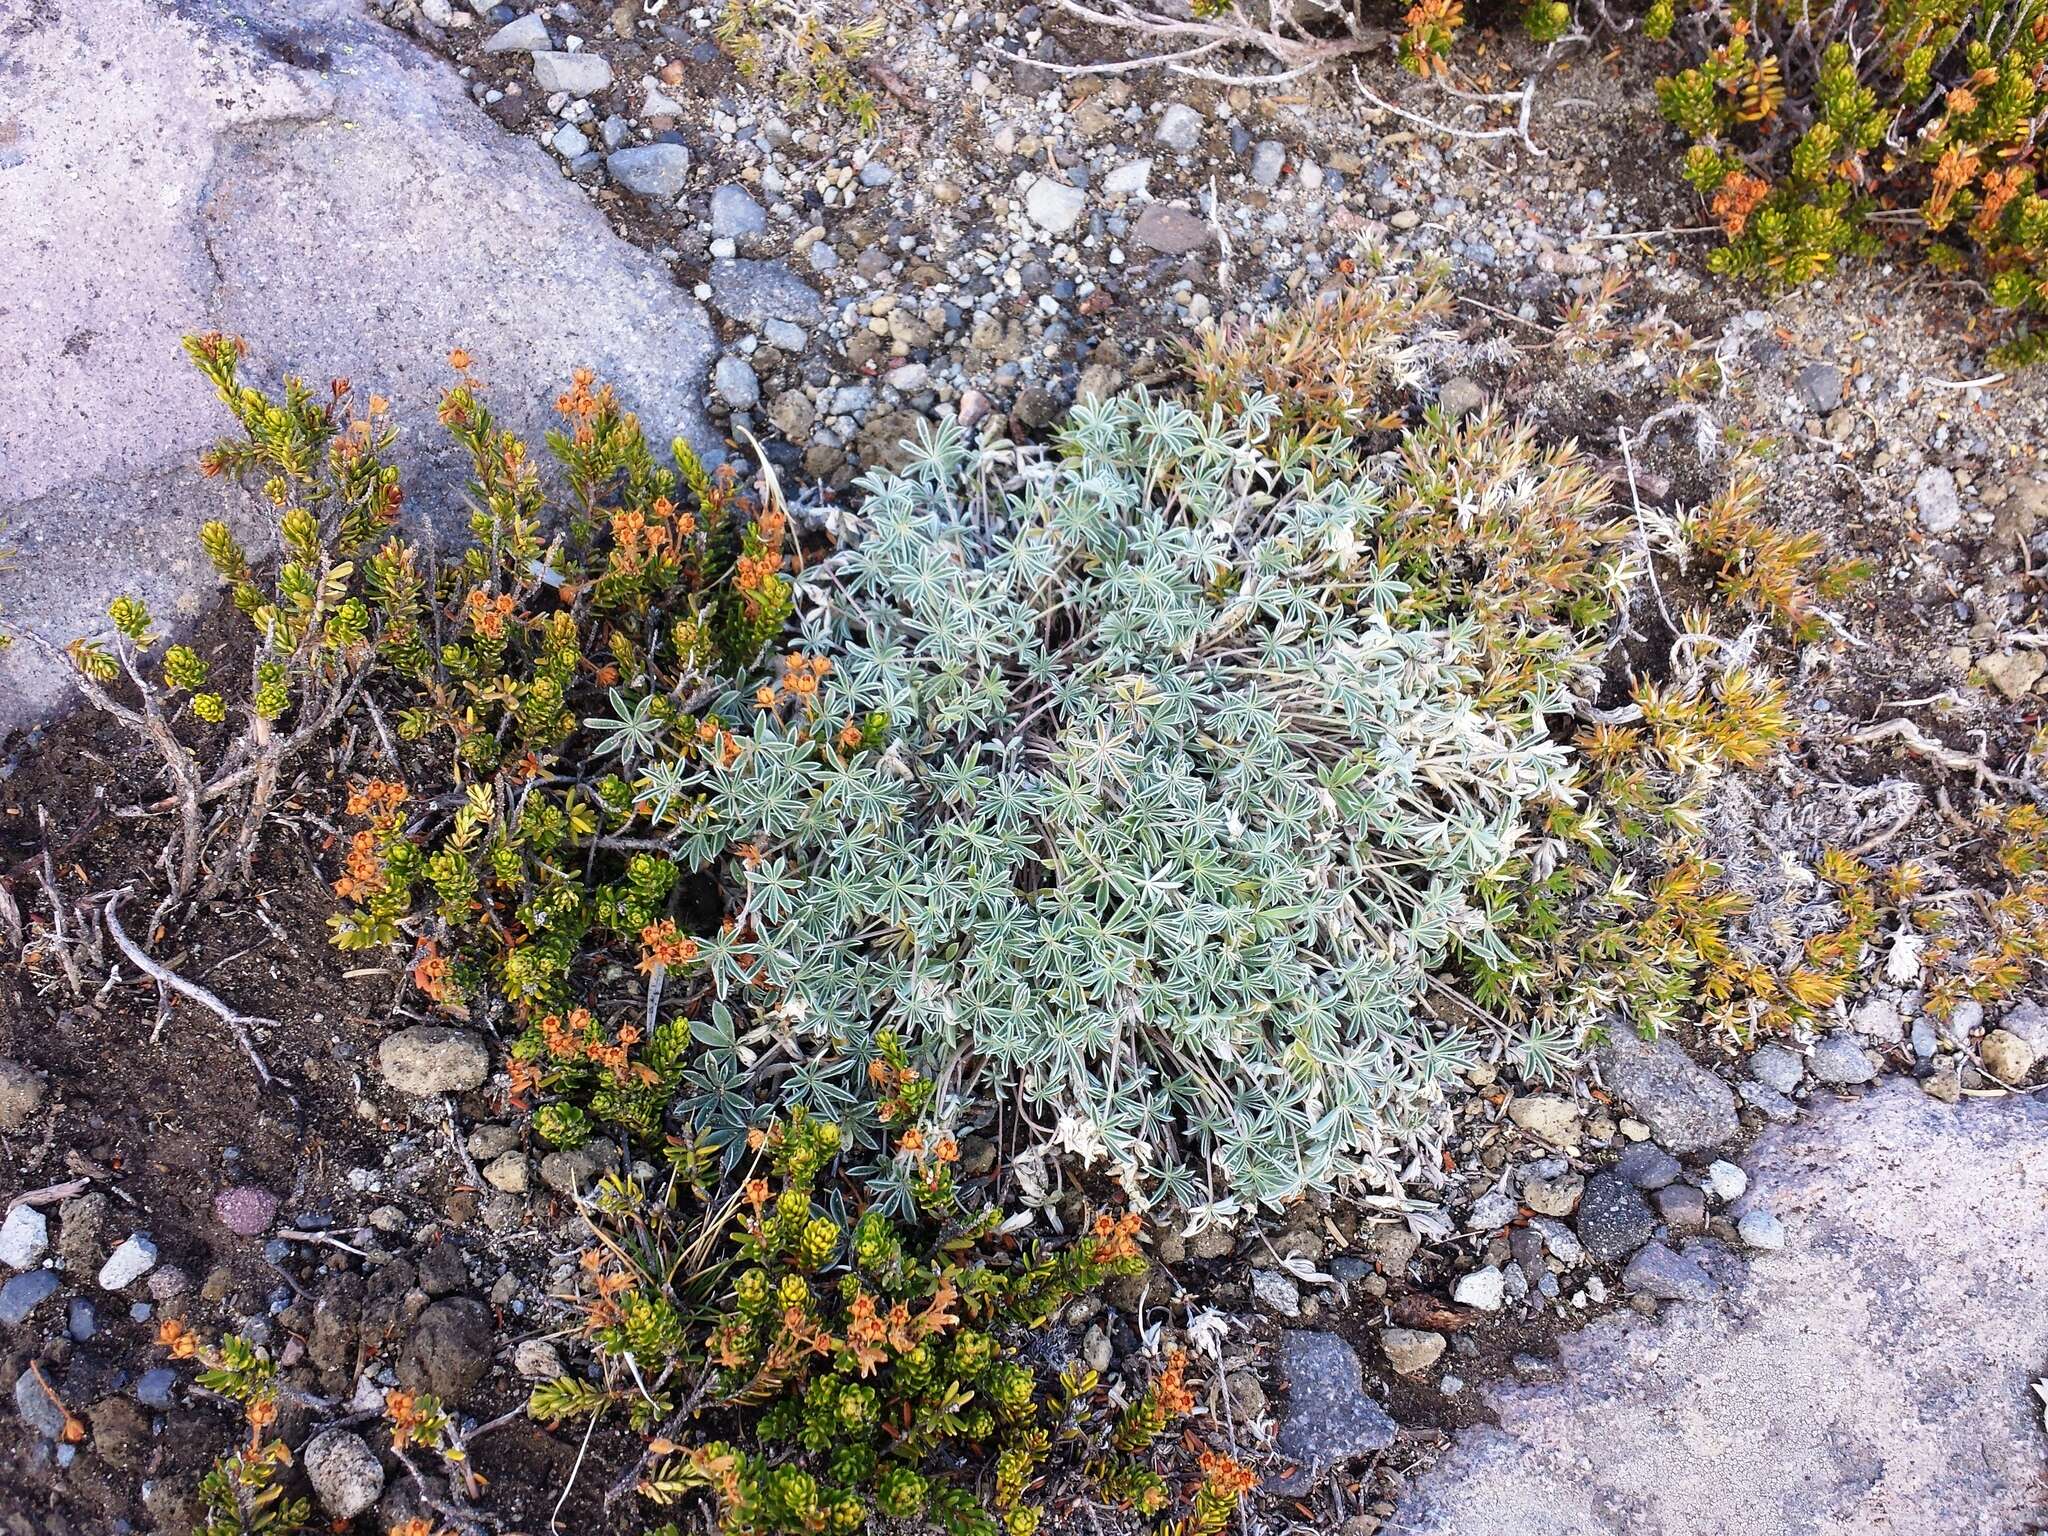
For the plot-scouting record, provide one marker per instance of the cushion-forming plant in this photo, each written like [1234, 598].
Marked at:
[1126, 788]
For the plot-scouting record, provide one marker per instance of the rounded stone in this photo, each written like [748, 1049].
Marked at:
[344, 1472]
[1484, 1288]
[736, 382]
[1411, 1351]
[2006, 1056]
[1614, 1220]
[1552, 1116]
[434, 1058]
[450, 1350]
[247, 1210]
[1461, 397]
[1841, 1060]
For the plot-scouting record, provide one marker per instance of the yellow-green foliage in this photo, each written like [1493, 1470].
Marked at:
[806, 60]
[1611, 909]
[1763, 569]
[854, 1365]
[561, 671]
[1429, 27]
[1809, 118]
[1987, 960]
[244, 1492]
[1332, 366]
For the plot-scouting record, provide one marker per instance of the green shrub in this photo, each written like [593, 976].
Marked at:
[319, 463]
[1138, 792]
[863, 1367]
[1812, 122]
[581, 641]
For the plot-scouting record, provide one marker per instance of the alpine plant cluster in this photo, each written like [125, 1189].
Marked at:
[1131, 787]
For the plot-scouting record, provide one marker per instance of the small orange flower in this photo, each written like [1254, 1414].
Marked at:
[459, 360]
[666, 948]
[1739, 197]
[1171, 1390]
[1116, 1237]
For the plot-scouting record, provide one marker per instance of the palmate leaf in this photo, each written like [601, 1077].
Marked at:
[633, 730]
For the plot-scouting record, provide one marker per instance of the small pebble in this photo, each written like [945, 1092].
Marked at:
[128, 1263]
[1726, 1181]
[1761, 1229]
[1484, 1289]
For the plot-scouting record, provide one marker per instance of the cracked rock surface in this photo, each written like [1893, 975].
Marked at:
[1871, 1376]
[295, 173]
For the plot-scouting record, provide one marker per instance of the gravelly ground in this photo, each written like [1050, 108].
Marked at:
[1004, 242]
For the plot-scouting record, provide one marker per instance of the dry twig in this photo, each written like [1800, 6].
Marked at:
[168, 979]
[1918, 742]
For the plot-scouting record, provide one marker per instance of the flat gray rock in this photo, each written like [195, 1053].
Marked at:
[1686, 1107]
[756, 292]
[1840, 1059]
[24, 1292]
[1874, 1375]
[574, 74]
[297, 173]
[1614, 1219]
[522, 34]
[1173, 231]
[1328, 1418]
[735, 215]
[651, 170]
[1656, 1271]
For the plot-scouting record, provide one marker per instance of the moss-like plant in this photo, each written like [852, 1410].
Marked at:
[863, 1366]
[806, 59]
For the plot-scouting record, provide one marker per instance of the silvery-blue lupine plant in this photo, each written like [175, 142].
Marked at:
[1169, 818]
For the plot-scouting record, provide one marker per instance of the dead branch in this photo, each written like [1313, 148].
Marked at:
[48, 873]
[164, 978]
[1916, 741]
[1175, 43]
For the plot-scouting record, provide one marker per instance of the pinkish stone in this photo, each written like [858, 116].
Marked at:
[245, 1210]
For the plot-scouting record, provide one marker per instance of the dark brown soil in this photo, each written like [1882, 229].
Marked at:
[160, 1110]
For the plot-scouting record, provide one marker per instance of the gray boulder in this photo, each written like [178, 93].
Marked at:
[1875, 1375]
[301, 175]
